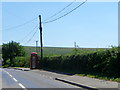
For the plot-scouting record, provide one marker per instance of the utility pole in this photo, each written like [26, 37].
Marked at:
[75, 46]
[119, 24]
[41, 38]
[36, 46]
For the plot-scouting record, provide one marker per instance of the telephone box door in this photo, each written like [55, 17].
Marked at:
[33, 60]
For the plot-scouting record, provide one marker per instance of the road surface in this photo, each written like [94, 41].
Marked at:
[12, 78]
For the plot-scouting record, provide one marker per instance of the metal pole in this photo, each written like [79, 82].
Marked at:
[41, 38]
[36, 46]
[75, 45]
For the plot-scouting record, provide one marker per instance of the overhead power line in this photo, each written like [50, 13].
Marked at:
[60, 11]
[66, 13]
[29, 33]
[17, 26]
[31, 37]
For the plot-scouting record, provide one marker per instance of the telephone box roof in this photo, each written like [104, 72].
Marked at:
[33, 53]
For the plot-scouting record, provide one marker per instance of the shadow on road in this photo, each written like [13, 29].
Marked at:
[59, 72]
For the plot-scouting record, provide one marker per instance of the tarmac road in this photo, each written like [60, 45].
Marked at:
[12, 78]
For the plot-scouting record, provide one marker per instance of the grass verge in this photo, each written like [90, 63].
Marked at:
[102, 77]
[92, 75]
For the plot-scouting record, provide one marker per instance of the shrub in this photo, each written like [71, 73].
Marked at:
[102, 61]
[22, 61]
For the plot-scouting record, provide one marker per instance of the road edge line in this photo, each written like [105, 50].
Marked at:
[76, 84]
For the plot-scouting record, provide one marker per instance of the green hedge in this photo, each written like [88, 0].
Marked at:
[105, 62]
[22, 61]
[19, 62]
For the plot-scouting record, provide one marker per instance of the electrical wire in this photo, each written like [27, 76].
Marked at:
[31, 37]
[17, 26]
[66, 13]
[29, 33]
[60, 11]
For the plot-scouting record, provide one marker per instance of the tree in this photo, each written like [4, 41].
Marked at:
[10, 51]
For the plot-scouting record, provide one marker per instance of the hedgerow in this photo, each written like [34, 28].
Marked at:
[106, 62]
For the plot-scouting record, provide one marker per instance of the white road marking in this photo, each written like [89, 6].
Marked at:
[46, 76]
[21, 85]
[14, 79]
[10, 75]
[7, 73]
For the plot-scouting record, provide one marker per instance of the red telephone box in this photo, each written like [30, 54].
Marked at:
[33, 60]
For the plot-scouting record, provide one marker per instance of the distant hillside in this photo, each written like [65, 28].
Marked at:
[57, 50]
[49, 50]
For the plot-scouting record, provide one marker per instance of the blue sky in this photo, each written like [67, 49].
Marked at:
[93, 25]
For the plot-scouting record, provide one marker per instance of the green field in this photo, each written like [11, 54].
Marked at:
[59, 50]
[55, 50]
[49, 50]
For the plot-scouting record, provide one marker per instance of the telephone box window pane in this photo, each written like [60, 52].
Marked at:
[33, 62]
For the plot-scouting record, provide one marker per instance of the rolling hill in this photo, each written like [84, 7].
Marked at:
[57, 50]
